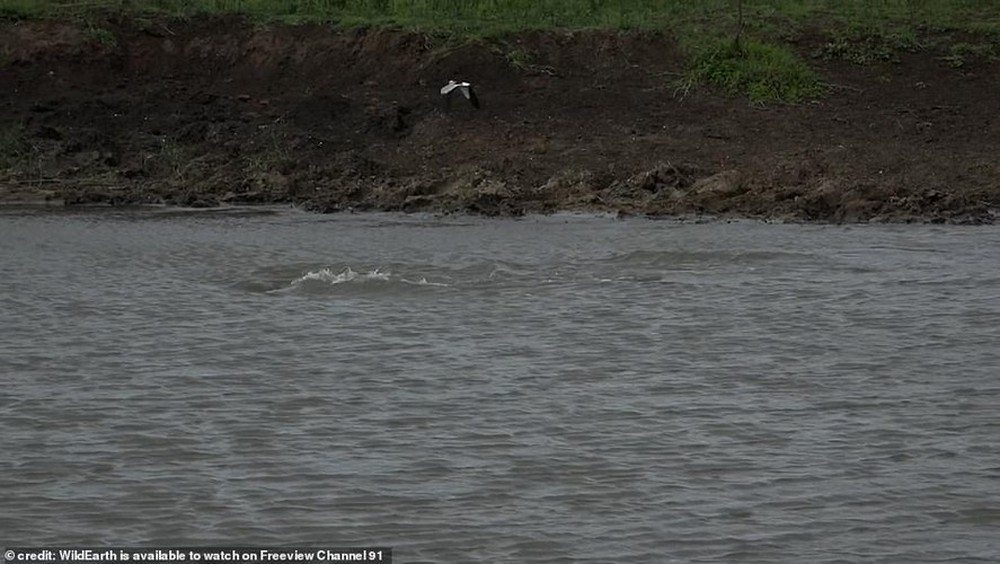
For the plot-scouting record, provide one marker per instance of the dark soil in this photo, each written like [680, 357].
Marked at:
[213, 111]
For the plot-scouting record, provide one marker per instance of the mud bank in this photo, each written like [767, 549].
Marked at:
[213, 111]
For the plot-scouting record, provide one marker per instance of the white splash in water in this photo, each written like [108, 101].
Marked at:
[424, 282]
[334, 277]
[346, 275]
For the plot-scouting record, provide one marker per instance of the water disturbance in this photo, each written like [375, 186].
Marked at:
[550, 390]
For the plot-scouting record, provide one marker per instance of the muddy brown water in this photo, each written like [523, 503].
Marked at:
[554, 389]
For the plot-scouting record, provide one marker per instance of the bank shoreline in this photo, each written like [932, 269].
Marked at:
[221, 110]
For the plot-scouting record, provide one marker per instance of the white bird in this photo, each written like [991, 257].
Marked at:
[464, 87]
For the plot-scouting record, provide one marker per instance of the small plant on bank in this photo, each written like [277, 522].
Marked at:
[519, 59]
[13, 145]
[865, 46]
[961, 54]
[19, 156]
[763, 72]
[268, 152]
[523, 60]
[168, 157]
[101, 36]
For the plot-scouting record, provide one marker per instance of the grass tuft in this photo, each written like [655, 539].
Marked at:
[866, 45]
[101, 36]
[13, 145]
[763, 72]
[519, 59]
[961, 54]
[17, 154]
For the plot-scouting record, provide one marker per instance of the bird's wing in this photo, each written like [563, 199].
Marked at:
[466, 91]
[448, 88]
[472, 97]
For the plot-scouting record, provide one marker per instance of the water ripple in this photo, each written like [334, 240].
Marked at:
[561, 389]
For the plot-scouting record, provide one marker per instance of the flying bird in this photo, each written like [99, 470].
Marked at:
[464, 87]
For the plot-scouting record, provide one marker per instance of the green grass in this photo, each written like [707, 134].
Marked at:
[101, 36]
[488, 17]
[763, 69]
[865, 45]
[961, 54]
[519, 59]
[763, 72]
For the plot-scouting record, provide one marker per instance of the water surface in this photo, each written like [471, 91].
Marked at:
[556, 389]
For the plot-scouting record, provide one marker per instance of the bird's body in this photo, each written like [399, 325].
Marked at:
[464, 87]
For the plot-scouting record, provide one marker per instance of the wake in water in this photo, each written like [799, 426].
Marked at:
[327, 278]
[473, 275]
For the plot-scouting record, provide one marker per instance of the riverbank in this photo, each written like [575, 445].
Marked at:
[223, 109]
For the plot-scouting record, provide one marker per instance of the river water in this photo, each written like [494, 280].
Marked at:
[551, 389]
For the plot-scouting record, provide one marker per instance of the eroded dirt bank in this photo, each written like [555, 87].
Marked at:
[221, 110]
